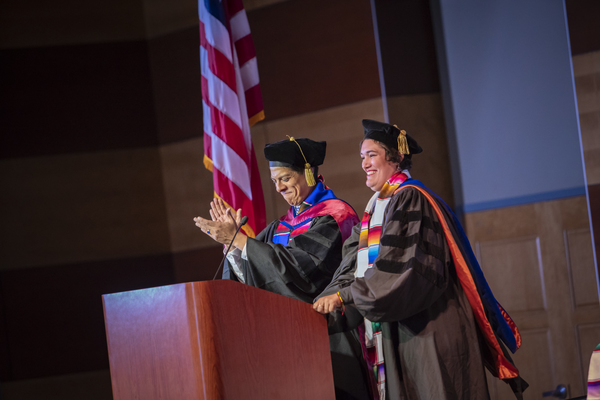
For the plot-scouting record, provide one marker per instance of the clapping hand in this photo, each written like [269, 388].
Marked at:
[223, 226]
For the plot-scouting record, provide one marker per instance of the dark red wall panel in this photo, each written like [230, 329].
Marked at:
[584, 25]
[53, 315]
[407, 47]
[77, 98]
[314, 54]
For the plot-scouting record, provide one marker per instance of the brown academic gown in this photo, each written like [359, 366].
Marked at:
[431, 343]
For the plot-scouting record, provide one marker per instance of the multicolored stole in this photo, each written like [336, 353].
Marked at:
[320, 202]
[286, 231]
[370, 227]
[368, 249]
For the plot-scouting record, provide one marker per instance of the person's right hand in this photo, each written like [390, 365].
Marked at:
[328, 304]
[220, 212]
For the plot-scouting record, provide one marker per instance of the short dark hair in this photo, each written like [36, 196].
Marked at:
[300, 170]
[393, 155]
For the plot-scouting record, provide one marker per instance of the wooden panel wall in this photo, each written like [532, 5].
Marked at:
[538, 261]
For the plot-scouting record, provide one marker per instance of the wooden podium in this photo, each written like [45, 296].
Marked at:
[215, 340]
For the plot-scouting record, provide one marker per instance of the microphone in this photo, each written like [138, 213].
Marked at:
[242, 223]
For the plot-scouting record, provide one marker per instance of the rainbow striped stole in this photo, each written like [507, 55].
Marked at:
[371, 224]
[368, 249]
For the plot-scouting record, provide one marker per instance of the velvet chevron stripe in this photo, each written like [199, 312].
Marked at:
[231, 103]
[319, 203]
[495, 323]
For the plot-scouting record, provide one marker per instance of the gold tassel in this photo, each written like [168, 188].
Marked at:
[310, 179]
[403, 143]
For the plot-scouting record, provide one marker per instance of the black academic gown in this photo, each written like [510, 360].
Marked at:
[301, 270]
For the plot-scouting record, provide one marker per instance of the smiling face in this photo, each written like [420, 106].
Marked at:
[374, 163]
[290, 184]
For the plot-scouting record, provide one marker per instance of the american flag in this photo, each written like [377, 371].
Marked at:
[231, 103]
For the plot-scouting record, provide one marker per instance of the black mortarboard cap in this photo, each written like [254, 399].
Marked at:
[388, 134]
[296, 152]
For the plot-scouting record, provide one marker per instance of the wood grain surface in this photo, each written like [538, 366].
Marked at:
[215, 340]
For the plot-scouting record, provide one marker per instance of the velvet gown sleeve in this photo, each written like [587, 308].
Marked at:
[411, 270]
[343, 277]
[302, 268]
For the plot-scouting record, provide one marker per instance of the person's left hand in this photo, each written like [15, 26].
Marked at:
[328, 304]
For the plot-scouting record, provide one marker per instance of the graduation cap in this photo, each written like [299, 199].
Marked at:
[391, 136]
[304, 153]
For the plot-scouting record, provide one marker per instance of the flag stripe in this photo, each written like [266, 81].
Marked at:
[219, 94]
[242, 101]
[245, 49]
[239, 25]
[231, 165]
[236, 197]
[215, 32]
[227, 161]
[207, 143]
[219, 64]
[254, 102]
[249, 74]
[231, 103]
[216, 10]
[220, 125]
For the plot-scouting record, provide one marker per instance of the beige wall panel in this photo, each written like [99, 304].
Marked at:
[589, 338]
[586, 64]
[188, 192]
[501, 223]
[31, 23]
[509, 222]
[553, 217]
[342, 129]
[547, 221]
[422, 116]
[574, 213]
[82, 207]
[580, 259]
[586, 68]
[588, 93]
[514, 272]
[93, 385]
[535, 357]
